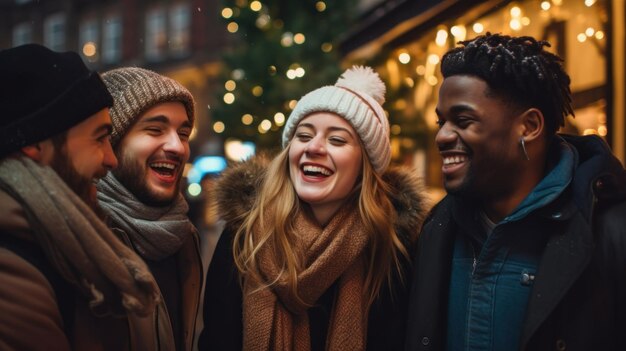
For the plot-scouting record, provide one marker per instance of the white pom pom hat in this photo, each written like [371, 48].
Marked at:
[357, 96]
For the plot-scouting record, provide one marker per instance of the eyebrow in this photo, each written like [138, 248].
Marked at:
[456, 109]
[107, 128]
[163, 119]
[332, 129]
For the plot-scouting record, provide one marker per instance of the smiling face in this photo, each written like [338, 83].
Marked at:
[478, 139]
[84, 155]
[325, 161]
[153, 153]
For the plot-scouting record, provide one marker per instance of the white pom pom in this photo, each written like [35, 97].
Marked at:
[363, 80]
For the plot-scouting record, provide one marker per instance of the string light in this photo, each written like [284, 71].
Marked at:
[442, 37]
[320, 6]
[230, 85]
[256, 6]
[232, 27]
[229, 98]
[545, 5]
[478, 28]
[247, 119]
[404, 58]
[327, 47]
[279, 118]
[219, 127]
[299, 38]
[227, 12]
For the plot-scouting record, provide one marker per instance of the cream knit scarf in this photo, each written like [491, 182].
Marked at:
[156, 232]
[77, 243]
[273, 320]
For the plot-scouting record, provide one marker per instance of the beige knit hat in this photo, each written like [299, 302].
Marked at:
[357, 96]
[135, 90]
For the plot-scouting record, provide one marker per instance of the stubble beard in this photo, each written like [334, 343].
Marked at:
[133, 177]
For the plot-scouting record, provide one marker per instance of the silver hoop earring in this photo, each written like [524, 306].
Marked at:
[523, 144]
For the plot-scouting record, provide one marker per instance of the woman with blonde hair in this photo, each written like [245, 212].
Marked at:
[315, 254]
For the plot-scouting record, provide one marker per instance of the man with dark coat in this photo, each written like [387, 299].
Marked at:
[66, 282]
[152, 118]
[528, 249]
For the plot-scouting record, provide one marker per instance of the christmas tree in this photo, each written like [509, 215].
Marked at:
[282, 49]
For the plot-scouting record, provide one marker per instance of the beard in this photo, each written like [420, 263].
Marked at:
[133, 176]
[83, 187]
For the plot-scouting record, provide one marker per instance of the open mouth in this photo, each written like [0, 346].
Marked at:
[164, 169]
[316, 171]
[453, 160]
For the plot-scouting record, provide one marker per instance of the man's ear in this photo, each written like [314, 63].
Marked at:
[41, 151]
[532, 124]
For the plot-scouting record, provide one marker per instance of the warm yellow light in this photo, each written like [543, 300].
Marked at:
[442, 36]
[271, 70]
[291, 74]
[590, 131]
[292, 104]
[247, 119]
[320, 6]
[230, 85]
[409, 82]
[404, 58]
[478, 28]
[232, 27]
[256, 6]
[545, 5]
[602, 131]
[257, 91]
[300, 72]
[459, 32]
[219, 127]
[327, 47]
[581, 37]
[396, 129]
[525, 21]
[227, 12]
[599, 35]
[287, 39]
[515, 24]
[279, 118]
[299, 38]
[421, 70]
[589, 32]
[516, 11]
[433, 59]
[265, 124]
[432, 80]
[557, 2]
[89, 49]
[589, 3]
[229, 98]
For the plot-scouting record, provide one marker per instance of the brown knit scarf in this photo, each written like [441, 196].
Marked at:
[274, 320]
[79, 246]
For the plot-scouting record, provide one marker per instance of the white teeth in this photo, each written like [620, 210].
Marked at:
[163, 165]
[316, 169]
[454, 159]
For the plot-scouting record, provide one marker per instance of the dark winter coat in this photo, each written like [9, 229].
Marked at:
[189, 267]
[578, 297]
[223, 328]
[39, 310]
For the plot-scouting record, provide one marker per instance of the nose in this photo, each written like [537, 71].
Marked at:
[316, 146]
[174, 144]
[109, 161]
[445, 136]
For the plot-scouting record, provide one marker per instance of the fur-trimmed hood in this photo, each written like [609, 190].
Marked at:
[234, 193]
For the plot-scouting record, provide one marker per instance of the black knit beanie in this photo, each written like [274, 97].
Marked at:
[43, 93]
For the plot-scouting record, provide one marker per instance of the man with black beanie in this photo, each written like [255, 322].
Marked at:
[63, 273]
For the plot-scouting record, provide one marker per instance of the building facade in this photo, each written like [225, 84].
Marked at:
[181, 39]
[405, 41]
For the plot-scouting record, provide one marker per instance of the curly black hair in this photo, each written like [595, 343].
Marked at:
[517, 69]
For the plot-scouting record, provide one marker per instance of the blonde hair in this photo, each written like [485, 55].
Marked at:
[277, 198]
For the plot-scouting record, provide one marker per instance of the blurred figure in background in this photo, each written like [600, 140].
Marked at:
[320, 237]
[528, 249]
[152, 118]
[66, 282]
